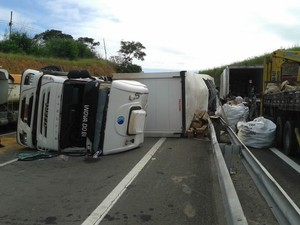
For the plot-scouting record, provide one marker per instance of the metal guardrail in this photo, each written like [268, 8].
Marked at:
[282, 206]
[233, 208]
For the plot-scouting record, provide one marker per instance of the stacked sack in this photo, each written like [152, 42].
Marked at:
[233, 111]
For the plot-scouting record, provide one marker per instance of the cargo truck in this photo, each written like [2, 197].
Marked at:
[174, 97]
[281, 101]
[74, 112]
[9, 97]
[244, 81]
[236, 81]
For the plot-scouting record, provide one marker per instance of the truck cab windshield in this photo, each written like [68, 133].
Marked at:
[72, 114]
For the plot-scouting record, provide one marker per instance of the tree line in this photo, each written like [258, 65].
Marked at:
[55, 43]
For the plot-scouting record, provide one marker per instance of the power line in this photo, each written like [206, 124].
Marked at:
[16, 25]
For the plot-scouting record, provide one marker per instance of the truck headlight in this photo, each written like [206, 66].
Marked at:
[23, 138]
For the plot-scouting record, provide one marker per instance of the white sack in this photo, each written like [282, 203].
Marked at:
[233, 114]
[246, 111]
[259, 133]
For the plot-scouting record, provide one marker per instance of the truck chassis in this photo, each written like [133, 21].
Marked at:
[284, 109]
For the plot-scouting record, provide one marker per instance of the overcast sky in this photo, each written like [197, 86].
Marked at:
[178, 35]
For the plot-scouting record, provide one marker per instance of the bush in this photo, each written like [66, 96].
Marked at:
[128, 68]
[60, 47]
[18, 43]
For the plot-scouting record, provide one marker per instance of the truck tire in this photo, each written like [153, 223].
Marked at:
[279, 132]
[289, 138]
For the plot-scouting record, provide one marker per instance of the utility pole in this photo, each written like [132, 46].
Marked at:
[10, 23]
[104, 48]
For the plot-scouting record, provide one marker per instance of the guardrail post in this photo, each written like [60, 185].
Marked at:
[228, 151]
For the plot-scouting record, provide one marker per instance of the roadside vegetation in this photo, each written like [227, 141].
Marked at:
[18, 52]
[257, 60]
[17, 63]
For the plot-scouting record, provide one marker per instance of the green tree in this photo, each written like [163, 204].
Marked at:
[51, 43]
[18, 43]
[51, 34]
[56, 43]
[128, 68]
[90, 42]
[84, 51]
[62, 48]
[129, 50]
[87, 47]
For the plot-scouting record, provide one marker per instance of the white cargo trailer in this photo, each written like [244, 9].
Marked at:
[234, 80]
[173, 100]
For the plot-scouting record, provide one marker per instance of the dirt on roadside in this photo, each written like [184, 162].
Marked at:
[16, 64]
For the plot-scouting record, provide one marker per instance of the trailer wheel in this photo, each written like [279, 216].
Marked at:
[289, 138]
[279, 132]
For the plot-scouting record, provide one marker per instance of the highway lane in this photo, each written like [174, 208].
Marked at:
[9, 148]
[247, 190]
[60, 190]
[178, 184]
[287, 177]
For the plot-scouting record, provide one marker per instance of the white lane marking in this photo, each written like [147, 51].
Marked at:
[8, 162]
[99, 213]
[290, 162]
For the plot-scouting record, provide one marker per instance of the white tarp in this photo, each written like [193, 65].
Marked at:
[196, 94]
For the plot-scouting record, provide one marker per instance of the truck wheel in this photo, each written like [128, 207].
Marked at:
[289, 138]
[279, 132]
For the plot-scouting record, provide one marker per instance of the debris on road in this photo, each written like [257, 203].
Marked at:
[29, 156]
[199, 125]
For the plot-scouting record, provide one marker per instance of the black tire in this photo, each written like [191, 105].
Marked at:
[279, 132]
[289, 138]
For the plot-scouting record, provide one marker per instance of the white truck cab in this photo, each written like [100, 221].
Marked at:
[73, 112]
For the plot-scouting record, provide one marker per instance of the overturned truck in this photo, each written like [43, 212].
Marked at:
[74, 112]
[174, 98]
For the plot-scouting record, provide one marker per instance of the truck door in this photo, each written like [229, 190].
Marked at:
[26, 131]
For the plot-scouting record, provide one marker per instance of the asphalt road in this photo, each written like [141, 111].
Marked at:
[177, 186]
[286, 176]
